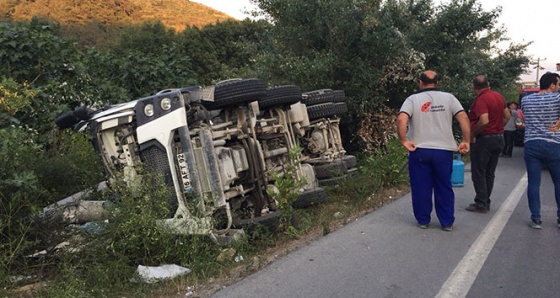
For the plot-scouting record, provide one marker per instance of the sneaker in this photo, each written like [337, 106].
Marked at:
[448, 229]
[475, 208]
[423, 227]
[536, 224]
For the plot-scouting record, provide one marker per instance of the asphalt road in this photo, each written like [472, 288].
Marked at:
[384, 254]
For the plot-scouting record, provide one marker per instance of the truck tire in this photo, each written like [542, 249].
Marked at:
[281, 95]
[321, 110]
[336, 168]
[317, 97]
[353, 172]
[310, 198]
[235, 92]
[340, 108]
[350, 161]
[338, 96]
[332, 181]
[268, 223]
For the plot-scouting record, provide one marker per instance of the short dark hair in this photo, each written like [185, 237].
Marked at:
[427, 80]
[512, 103]
[480, 82]
[547, 79]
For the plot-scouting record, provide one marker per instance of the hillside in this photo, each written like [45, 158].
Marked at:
[81, 13]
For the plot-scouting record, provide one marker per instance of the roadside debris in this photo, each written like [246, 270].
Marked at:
[149, 274]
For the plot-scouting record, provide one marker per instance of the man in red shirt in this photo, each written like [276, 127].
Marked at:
[488, 116]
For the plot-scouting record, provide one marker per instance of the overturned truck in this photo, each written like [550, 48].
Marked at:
[219, 148]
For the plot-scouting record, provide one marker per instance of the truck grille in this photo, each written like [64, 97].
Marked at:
[155, 160]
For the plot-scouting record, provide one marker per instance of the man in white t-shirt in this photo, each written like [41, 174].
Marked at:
[429, 114]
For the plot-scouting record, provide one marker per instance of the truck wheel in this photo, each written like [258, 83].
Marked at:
[310, 198]
[321, 110]
[266, 223]
[336, 168]
[235, 92]
[340, 108]
[353, 172]
[281, 95]
[332, 181]
[317, 96]
[350, 161]
[338, 96]
[325, 110]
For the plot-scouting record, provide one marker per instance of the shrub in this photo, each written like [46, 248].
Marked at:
[19, 188]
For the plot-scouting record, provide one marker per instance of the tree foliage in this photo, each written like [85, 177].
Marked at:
[225, 48]
[378, 49]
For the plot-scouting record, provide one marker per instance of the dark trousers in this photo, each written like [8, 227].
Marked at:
[485, 154]
[509, 139]
[430, 175]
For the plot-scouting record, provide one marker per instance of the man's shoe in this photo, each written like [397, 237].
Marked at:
[558, 221]
[448, 229]
[536, 224]
[423, 227]
[475, 208]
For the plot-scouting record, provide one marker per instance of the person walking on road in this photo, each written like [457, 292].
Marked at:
[509, 131]
[429, 114]
[487, 115]
[542, 142]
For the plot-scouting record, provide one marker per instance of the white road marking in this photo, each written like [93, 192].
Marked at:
[461, 279]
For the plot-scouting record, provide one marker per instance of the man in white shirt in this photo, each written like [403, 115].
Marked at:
[428, 114]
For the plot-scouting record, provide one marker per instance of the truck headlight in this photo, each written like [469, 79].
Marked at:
[166, 103]
[149, 110]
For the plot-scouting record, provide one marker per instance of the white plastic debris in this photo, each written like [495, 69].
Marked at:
[190, 292]
[59, 246]
[149, 274]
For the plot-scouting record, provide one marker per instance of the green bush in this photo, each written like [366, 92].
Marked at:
[19, 187]
[380, 170]
[131, 236]
[31, 179]
[70, 159]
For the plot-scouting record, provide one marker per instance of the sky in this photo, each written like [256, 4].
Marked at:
[525, 21]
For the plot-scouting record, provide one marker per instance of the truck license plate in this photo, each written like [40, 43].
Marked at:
[184, 171]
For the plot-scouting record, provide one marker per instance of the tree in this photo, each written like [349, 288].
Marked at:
[375, 50]
[462, 41]
[378, 49]
[225, 48]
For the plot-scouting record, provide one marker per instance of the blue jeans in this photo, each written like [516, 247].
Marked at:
[539, 153]
[430, 173]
